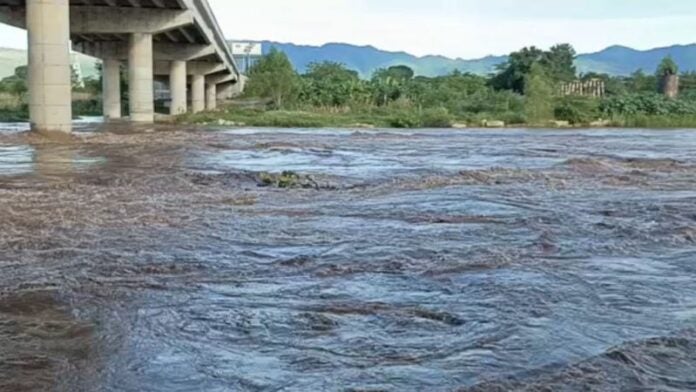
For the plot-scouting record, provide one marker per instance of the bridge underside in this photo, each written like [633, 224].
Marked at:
[176, 38]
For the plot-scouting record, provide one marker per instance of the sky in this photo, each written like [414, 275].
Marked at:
[454, 28]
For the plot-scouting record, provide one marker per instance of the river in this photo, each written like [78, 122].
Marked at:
[439, 260]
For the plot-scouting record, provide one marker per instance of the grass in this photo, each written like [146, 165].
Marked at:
[395, 118]
[321, 118]
[656, 122]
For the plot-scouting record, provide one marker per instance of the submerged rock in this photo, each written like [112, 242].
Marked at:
[289, 179]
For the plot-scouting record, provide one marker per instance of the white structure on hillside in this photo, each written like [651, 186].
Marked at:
[246, 54]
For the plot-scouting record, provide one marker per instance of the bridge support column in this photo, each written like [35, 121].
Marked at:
[111, 89]
[224, 91]
[140, 78]
[49, 73]
[198, 93]
[177, 87]
[210, 96]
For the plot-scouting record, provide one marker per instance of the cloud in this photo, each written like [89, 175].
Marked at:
[455, 28]
[463, 28]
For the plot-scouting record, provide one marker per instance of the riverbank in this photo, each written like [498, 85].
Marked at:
[386, 118]
[8, 115]
[376, 118]
[20, 113]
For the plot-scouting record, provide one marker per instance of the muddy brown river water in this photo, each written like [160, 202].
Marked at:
[436, 260]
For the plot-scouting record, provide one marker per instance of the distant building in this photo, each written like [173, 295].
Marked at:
[589, 88]
[246, 54]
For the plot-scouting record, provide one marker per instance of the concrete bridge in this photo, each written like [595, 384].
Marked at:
[178, 40]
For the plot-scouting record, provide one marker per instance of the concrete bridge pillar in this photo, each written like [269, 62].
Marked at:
[111, 88]
[140, 78]
[198, 93]
[210, 96]
[177, 87]
[49, 73]
[224, 91]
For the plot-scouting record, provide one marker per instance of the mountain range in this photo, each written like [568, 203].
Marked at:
[615, 60]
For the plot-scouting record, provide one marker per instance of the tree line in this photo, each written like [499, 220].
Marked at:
[522, 90]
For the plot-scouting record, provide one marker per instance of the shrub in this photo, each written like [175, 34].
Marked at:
[646, 104]
[89, 107]
[405, 119]
[577, 110]
[512, 118]
[436, 118]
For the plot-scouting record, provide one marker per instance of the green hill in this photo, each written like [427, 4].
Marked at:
[13, 58]
[616, 60]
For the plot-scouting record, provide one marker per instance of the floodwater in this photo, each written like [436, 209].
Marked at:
[476, 260]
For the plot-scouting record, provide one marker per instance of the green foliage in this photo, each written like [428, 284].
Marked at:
[557, 63]
[436, 118]
[523, 91]
[90, 107]
[539, 94]
[92, 86]
[388, 85]
[646, 104]
[332, 85]
[513, 118]
[667, 68]
[405, 119]
[399, 73]
[16, 84]
[639, 82]
[577, 110]
[661, 121]
[14, 114]
[511, 74]
[275, 78]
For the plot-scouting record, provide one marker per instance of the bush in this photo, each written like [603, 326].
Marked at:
[14, 114]
[90, 107]
[577, 110]
[405, 119]
[436, 118]
[646, 104]
[667, 121]
[512, 118]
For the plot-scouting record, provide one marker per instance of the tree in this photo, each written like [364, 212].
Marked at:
[17, 83]
[390, 84]
[511, 74]
[401, 73]
[667, 68]
[331, 84]
[558, 64]
[274, 77]
[539, 95]
[639, 82]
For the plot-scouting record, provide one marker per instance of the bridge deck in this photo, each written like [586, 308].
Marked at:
[203, 31]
